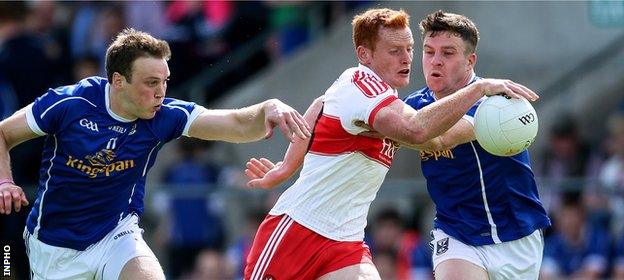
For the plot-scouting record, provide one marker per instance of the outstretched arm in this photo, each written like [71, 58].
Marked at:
[265, 174]
[462, 132]
[13, 130]
[401, 122]
[250, 123]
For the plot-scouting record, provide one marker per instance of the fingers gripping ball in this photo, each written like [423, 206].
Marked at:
[505, 126]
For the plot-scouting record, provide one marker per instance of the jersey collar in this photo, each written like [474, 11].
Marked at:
[369, 71]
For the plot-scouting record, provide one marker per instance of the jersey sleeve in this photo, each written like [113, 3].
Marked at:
[178, 117]
[419, 99]
[414, 100]
[469, 116]
[357, 106]
[52, 111]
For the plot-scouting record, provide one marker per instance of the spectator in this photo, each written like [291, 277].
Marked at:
[85, 67]
[49, 21]
[290, 23]
[110, 20]
[196, 34]
[611, 175]
[147, 16]
[239, 249]
[618, 260]
[194, 223]
[94, 27]
[390, 236]
[386, 261]
[211, 265]
[565, 163]
[23, 60]
[421, 263]
[26, 69]
[8, 100]
[567, 155]
[576, 249]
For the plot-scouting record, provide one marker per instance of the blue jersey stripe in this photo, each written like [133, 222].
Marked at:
[63, 100]
[148, 160]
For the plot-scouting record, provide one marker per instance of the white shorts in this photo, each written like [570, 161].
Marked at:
[517, 259]
[103, 260]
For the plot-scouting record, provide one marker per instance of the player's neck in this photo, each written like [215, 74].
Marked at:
[117, 105]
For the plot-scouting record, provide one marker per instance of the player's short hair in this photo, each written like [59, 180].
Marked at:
[366, 25]
[129, 45]
[459, 25]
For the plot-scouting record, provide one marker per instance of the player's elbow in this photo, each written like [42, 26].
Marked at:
[418, 140]
[417, 137]
[404, 132]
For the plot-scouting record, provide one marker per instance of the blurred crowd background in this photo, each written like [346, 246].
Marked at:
[200, 218]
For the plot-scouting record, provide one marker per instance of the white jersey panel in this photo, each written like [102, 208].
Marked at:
[342, 171]
[333, 194]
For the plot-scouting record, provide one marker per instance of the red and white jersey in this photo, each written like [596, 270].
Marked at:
[342, 170]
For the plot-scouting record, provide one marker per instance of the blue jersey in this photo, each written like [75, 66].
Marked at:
[480, 198]
[94, 162]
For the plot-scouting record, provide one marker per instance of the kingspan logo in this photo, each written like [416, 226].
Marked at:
[426, 155]
[100, 163]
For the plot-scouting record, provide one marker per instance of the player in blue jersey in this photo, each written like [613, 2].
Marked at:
[488, 214]
[102, 136]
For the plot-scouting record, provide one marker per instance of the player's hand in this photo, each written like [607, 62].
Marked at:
[491, 87]
[290, 122]
[264, 174]
[11, 197]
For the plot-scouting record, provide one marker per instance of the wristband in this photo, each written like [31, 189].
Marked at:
[5, 181]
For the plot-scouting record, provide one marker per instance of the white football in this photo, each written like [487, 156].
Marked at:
[505, 126]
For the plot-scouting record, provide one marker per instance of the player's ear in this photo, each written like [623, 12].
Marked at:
[472, 60]
[117, 80]
[364, 54]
